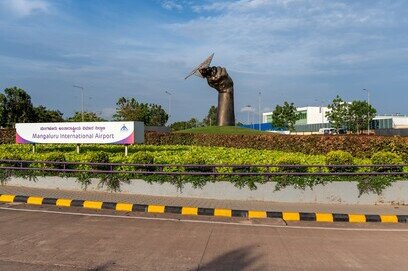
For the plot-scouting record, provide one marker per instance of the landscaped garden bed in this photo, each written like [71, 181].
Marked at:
[172, 158]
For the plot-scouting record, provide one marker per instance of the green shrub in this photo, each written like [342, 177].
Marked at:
[291, 160]
[99, 157]
[141, 158]
[340, 158]
[13, 156]
[55, 157]
[197, 160]
[387, 158]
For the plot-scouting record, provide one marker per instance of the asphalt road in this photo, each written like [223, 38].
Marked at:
[49, 238]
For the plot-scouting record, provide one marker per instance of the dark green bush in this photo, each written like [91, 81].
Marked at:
[13, 164]
[55, 157]
[290, 160]
[340, 158]
[99, 157]
[387, 158]
[197, 160]
[142, 158]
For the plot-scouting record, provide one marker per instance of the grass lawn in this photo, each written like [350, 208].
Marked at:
[228, 130]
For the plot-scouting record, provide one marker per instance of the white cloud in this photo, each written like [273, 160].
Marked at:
[23, 8]
[243, 5]
[287, 37]
[290, 50]
[171, 5]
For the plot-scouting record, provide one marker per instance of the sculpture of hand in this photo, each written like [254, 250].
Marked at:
[219, 79]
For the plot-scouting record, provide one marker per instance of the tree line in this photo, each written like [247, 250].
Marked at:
[209, 120]
[353, 116]
[16, 107]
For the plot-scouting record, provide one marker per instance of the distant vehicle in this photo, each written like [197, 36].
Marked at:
[342, 131]
[327, 131]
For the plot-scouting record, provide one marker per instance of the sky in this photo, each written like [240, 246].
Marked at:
[300, 51]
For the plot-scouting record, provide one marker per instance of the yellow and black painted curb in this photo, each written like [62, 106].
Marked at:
[219, 212]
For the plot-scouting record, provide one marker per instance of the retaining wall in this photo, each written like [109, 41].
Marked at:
[336, 192]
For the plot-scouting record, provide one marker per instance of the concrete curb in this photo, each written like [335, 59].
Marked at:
[219, 212]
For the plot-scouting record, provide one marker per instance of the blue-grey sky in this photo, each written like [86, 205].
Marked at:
[302, 51]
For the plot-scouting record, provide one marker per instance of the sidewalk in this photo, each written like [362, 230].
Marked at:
[207, 203]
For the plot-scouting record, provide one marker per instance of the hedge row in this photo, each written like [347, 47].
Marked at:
[7, 136]
[181, 155]
[358, 145]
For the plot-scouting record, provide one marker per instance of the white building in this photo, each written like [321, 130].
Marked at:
[391, 121]
[308, 115]
[314, 117]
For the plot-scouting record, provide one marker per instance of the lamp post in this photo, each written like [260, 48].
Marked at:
[169, 94]
[82, 101]
[368, 110]
[259, 110]
[249, 112]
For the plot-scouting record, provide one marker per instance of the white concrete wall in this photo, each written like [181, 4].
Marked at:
[315, 114]
[336, 192]
[400, 122]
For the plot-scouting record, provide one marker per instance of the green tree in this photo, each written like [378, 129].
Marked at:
[211, 119]
[285, 117]
[42, 114]
[359, 114]
[338, 113]
[157, 115]
[131, 110]
[3, 111]
[183, 125]
[128, 109]
[88, 116]
[16, 107]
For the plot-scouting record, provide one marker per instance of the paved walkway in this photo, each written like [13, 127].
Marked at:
[206, 203]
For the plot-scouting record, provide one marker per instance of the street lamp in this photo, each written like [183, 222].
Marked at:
[368, 110]
[169, 94]
[249, 112]
[259, 110]
[82, 101]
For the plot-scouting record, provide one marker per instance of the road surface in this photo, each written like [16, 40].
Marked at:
[51, 238]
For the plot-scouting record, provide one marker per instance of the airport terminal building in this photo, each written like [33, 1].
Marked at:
[313, 118]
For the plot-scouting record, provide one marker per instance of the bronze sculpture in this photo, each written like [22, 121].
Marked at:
[218, 78]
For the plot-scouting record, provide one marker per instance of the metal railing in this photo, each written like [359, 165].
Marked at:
[202, 170]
